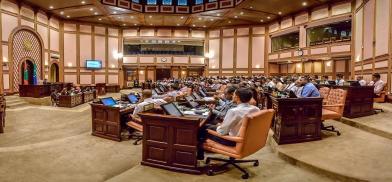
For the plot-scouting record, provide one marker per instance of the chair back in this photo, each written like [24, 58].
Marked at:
[335, 97]
[324, 92]
[254, 130]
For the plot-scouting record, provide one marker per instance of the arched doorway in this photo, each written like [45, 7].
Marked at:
[54, 73]
[27, 73]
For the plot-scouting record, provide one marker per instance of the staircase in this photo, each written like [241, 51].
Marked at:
[14, 101]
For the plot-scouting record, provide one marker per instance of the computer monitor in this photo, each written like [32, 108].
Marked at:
[154, 92]
[331, 82]
[191, 102]
[353, 83]
[197, 96]
[108, 101]
[216, 87]
[157, 90]
[132, 99]
[202, 93]
[292, 94]
[171, 109]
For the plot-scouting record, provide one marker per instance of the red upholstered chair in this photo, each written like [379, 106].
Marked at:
[334, 108]
[136, 124]
[251, 138]
[324, 92]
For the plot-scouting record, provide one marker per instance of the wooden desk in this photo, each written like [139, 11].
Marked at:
[39, 91]
[297, 120]
[170, 142]
[89, 96]
[70, 100]
[359, 100]
[112, 88]
[107, 121]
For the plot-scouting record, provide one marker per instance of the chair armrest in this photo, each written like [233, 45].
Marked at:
[226, 137]
[334, 105]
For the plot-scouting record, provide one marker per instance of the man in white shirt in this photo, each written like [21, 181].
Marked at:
[339, 80]
[377, 83]
[232, 122]
[147, 96]
[361, 81]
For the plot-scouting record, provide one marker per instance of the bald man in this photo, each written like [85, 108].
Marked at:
[147, 99]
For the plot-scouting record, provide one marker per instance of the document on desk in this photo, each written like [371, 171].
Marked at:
[189, 113]
[209, 98]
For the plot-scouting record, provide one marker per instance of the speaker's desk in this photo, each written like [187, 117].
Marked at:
[296, 119]
[107, 121]
[171, 142]
[41, 90]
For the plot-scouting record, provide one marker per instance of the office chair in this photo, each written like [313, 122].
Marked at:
[324, 92]
[136, 124]
[334, 108]
[380, 99]
[251, 138]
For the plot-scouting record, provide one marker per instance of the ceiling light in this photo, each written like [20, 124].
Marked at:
[132, 17]
[135, 24]
[83, 2]
[178, 24]
[95, 13]
[199, 18]
[124, 24]
[193, 25]
[91, 9]
[279, 13]
[62, 12]
[100, 19]
[304, 4]
[261, 20]
[235, 16]
[242, 13]
[211, 19]
[51, 7]
[218, 14]
[68, 16]
[229, 21]
[251, 7]
[204, 26]
[114, 12]
[182, 17]
[268, 17]
[150, 16]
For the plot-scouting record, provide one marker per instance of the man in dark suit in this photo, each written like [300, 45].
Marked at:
[219, 112]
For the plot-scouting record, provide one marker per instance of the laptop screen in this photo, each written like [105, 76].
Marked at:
[197, 96]
[171, 109]
[202, 93]
[109, 101]
[132, 98]
[191, 101]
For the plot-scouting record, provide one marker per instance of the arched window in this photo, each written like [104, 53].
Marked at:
[198, 1]
[151, 2]
[136, 1]
[166, 2]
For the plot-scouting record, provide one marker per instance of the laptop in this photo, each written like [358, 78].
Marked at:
[191, 102]
[202, 93]
[331, 82]
[157, 90]
[171, 109]
[132, 99]
[108, 101]
[154, 92]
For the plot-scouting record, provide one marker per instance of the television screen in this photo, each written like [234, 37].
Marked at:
[93, 64]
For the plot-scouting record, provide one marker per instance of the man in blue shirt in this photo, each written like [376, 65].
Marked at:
[309, 90]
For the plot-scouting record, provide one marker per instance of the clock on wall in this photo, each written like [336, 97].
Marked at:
[163, 60]
[300, 52]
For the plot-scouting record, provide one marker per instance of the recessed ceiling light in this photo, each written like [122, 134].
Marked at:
[279, 13]
[251, 7]
[114, 12]
[178, 24]
[199, 18]
[182, 17]
[193, 25]
[261, 20]
[95, 13]
[211, 19]
[268, 17]
[100, 19]
[135, 24]
[51, 7]
[242, 13]
[132, 17]
[229, 21]
[124, 24]
[62, 12]
[150, 16]
[91, 9]
[236, 16]
[218, 14]
[68, 16]
[304, 4]
[204, 26]
[83, 2]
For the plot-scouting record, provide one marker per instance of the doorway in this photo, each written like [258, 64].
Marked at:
[54, 73]
[162, 74]
[27, 72]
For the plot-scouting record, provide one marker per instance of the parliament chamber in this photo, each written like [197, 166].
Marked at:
[195, 90]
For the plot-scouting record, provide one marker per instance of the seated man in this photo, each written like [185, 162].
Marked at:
[227, 103]
[377, 83]
[339, 80]
[232, 121]
[147, 99]
[361, 81]
[308, 90]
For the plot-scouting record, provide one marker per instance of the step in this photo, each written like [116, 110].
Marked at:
[356, 155]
